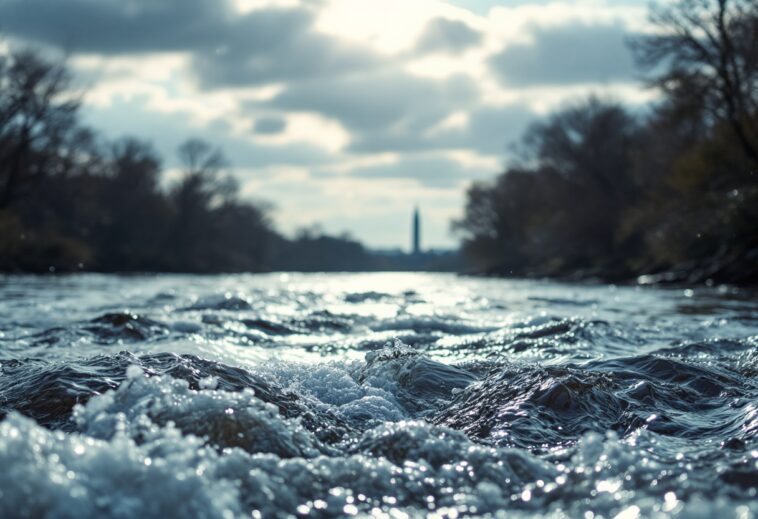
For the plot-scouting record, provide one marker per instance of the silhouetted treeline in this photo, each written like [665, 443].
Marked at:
[69, 200]
[313, 251]
[600, 191]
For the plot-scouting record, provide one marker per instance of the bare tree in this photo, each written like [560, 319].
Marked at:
[37, 114]
[198, 157]
[587, 143]
[708, 50]
[204, 172]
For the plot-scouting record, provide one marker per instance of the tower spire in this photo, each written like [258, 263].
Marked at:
[416, 231]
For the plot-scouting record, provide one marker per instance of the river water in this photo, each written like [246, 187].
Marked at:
[386, 395]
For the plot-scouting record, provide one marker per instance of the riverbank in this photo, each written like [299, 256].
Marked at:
[729, 268]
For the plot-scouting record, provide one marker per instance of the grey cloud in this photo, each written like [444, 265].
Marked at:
[117, 26]
[374, 101]
[442, 34]
[489, 131]
[276, 45]
[392, 111]
[167, 131]
[564, 55]
[269, 125]
[386, 107]
[263, 46]
[435, 172]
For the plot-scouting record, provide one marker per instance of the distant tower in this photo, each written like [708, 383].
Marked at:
[416, 231]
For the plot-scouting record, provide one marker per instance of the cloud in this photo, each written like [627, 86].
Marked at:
[427, 171]
[446, 35]
[269, 125]
[384, 106]
[117, 26]
[228, 48]
[489, 130]
[392, 111]
[169, 130]
[566, 55]
[275, 45]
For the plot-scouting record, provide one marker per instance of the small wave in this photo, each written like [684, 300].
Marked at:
[364, 297]
[106, 329]
[429, 324]
[543, 338]
[49, 392]
[220, 302]
[121, 326]
[531, 407]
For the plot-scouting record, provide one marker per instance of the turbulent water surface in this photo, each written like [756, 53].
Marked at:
[392, 395]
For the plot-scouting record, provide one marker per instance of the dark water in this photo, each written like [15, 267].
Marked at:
[386, 395]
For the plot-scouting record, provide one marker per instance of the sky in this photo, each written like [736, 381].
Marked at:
[342, 113]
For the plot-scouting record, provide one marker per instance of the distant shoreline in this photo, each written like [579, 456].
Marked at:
[669, 278]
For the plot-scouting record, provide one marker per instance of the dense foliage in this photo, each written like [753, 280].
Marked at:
[600, 191]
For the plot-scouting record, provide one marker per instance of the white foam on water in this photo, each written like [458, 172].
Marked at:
[155, 447]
